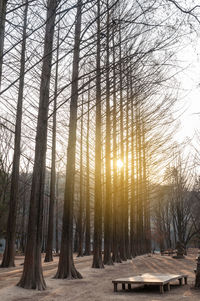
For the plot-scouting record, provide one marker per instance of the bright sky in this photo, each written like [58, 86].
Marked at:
[189, 94]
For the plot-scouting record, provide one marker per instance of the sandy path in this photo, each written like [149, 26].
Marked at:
[97, 284]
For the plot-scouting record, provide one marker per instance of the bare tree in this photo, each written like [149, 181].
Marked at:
[49, 255]
[3, 4]
[9, 253]
[32, 277]
[66, 268]
[97, 246]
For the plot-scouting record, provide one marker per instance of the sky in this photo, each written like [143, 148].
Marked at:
[189, 91]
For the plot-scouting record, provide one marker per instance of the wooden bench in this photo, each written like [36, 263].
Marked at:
[168, 252]
[160, 280]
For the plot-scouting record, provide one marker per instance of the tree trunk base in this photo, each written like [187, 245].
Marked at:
[48, 257]
[197, 280]
[29, 282]
[8, 258]
[108, 261]
[70, 273]
[87, 254]
[7, 264]
[97, 264]
[117, 259]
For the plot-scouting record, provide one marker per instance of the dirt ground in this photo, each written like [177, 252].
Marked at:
[96, 285]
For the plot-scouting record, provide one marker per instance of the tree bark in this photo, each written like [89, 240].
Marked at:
[116, 230]
[66, 268]
[3, 4]
[9, 253]
[80, 216]
[133, 199]
[108, 205]
[126, 203]
[197, 277]
[49, 247]
[57, 209]
[147, 226]
[141, 193]
[32, 276]
[122, 207]
[87, 230]
[97, 245]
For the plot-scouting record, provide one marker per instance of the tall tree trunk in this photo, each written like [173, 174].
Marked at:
[141, 193]
[122, 207]
[116, 229]
[49, 247]
[22, 242]
[57, 208]
[9, 253]
[32, 277]
[108, 205]
[147, 226]
[126, 203]
[80, 216]
[97, 246]
[137, 235]
[133, 204]
[3, 4]
[66, 268]
[87, 230]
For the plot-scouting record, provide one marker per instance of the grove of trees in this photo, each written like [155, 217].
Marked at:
[88, 96]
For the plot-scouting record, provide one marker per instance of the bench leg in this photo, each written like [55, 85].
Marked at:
[123, 286]
[161, 289]
[185, 278]
[168, 286]
[129, 286]
[181, 281]
[115, 287]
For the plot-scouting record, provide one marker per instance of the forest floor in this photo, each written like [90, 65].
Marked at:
[96, 285]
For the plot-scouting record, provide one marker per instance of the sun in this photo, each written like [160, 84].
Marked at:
[119, 163]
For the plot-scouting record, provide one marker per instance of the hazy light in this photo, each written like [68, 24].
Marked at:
[119, 163]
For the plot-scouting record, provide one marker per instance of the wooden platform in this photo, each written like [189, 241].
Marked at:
[160, 280]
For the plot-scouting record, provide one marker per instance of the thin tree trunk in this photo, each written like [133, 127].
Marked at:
[87, 233]
[3, 4]
[140, 186]
[9, 253]
[49, 247]
[66, 268]
[23, 221]
[127, 227]
[97, 246]
[197, 277]
[76, 238]
[116, 230]
[108, 205]
[147, 226]
[32, 277]
[133, 205]
[137, 188]
[57, 195]
[122, 207]
[80, 217]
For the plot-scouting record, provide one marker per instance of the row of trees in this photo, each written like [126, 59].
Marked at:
[89, 77]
